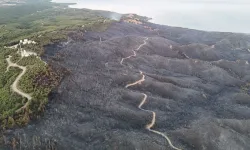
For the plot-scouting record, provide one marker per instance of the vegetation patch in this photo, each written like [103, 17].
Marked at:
[44, 23]
[246, 88]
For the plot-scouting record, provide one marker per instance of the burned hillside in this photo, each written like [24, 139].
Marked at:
[196, 83]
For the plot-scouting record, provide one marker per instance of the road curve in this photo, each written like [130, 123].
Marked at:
[152, 123]
[137, 82]
[134, 51]
[14, 86]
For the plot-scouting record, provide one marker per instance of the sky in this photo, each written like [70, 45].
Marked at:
[210, 15]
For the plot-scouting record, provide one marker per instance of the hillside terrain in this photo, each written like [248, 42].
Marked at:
[133, 85]
[26, 80]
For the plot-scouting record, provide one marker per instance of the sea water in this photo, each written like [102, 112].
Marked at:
[209, 15]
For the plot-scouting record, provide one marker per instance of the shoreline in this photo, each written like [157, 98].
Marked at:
[191, 19]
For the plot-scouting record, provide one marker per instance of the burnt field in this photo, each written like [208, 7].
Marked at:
[196, 83]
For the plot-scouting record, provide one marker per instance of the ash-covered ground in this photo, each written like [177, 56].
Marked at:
[196, 83]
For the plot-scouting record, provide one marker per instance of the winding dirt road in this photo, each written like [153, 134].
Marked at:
[152, 123]
[14, 86]
[137, 82]
[134, 51]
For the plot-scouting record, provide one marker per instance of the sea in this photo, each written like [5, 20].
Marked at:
[208, 15]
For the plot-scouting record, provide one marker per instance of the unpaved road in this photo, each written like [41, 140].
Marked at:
[14, 86]
[134, 51]
[152, 123]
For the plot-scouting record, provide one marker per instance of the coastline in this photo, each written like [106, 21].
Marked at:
[206, 17]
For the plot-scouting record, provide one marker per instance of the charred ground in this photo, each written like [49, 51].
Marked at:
[196, 82]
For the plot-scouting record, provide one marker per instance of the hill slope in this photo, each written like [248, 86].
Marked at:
[189, 86]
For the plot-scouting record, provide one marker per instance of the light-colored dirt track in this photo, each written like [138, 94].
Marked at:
[14, 86]
[134, 52]
[137, 82]
[152, 123]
